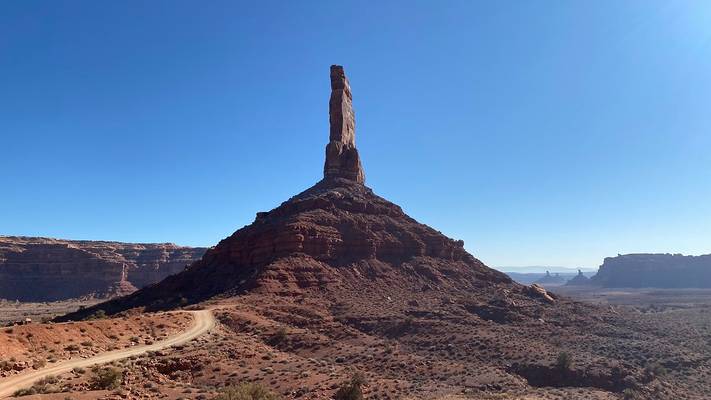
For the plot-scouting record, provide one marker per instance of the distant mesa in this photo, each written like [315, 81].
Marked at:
[44, 269]
[654, 271]
[546, 276]
[674, 271]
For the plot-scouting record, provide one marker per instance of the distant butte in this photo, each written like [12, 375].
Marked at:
[320, 238]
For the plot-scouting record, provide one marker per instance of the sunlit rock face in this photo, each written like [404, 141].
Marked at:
[342, 160]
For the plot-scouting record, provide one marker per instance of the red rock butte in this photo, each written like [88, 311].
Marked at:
[336, 233]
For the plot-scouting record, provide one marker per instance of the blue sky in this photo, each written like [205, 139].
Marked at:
[539, 132]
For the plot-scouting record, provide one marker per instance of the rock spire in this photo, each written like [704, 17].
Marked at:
[342, 160]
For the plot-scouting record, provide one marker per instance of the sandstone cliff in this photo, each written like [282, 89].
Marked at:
[655, 270]
[44, 269]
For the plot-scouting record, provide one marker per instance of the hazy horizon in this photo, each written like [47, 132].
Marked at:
[539, 136]
[542, 269]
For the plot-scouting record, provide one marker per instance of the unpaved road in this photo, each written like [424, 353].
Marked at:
[203, 322]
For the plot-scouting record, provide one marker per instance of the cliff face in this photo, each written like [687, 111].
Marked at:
[655, 270]
[43, 269]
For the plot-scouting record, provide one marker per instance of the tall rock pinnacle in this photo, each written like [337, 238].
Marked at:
[342, 160]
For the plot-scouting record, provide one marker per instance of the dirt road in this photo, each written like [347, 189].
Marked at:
[204, 321]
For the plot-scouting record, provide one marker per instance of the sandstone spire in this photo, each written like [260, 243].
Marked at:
[342, 160]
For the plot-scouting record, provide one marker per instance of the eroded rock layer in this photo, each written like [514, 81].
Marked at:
[44, 269]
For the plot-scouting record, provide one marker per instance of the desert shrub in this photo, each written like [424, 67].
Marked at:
[105, 378]
[564, 361]
[45, 385]
[24, 392]
[629, 394]
[47, 380]
[352, 390]
[278, 337]
[98, 314]
[246, 391]
[72, 347]
[653, 370]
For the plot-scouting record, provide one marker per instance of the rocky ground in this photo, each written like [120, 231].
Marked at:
[13, 312]
[36, 345]
[427, 346]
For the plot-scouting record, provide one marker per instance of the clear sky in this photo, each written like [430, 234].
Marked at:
[539, 132]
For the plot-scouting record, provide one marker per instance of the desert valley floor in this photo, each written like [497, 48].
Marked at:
[428, 348]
